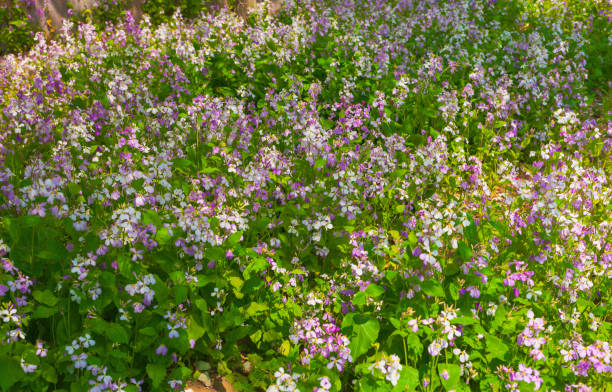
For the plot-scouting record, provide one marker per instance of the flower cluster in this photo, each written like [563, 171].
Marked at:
[308, 190]
[322, 337]
[388, 366]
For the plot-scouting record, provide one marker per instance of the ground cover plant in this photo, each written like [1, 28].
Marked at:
[369, 196]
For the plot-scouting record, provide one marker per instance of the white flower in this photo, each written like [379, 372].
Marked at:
[393, 377]
[533, 294]
[9, 315]
[491, 309]
[463, 356]
[80, 361]
[27, 368]
[325, 384]
[437, 346]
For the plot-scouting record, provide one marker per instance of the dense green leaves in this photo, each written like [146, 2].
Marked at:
[362, 331]
[342, 196]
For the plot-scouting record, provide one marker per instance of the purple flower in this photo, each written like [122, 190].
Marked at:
[161, 350]
[21, 301]
[79, 361]
[27, 368]
[444, 374]
[40, 350]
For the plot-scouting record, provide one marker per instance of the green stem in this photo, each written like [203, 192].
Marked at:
[405, 351]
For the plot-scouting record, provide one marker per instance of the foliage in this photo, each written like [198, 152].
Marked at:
[369, 196]
[15, 27]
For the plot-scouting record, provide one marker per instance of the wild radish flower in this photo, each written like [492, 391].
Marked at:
[444, 374]
[217, 293]
[389, 366]
[40, 350]
[437, 346]
[325, 384]
[9, 314]
[173, 332]
[28, 368]
[161, 350]
[72, 348]
[491, 309]
[86, 341]
[335, 363]
[463, 356]
[428, 255]
[80, 361]
[413, 325]
[533, 294]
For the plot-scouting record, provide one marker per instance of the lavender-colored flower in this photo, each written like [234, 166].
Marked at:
[28, 368]
[161, 350]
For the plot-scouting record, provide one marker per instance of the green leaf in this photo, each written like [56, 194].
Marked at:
[359, 299]
[255, 336]
[495, 346]
[48, 372]
[454, 292]
[319, 163]
[148, 331]
[365, 333]
[194, 330]
[499, 319]
[252, 285]
[374, 290]
[157, 373]
[255, 308]
[464, 320]
[414, 343]
[10, 372]
[465, 252]
[432, 288]
[454, 375]
[237, 283]
[43, 312]
[74, 189]
[163, 236]
[396, 323]
[180, 293]
[412, 240]
[12, 227]
[409, 379]
[45, 297]
[237, 333]
[490, 382]
[182, 162]
[125, 265]
[255, 266]
[234, 239]
[326, 123]
[285, 348]
[116, 333]
[151, 216]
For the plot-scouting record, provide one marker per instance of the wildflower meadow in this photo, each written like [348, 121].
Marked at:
[355, 195]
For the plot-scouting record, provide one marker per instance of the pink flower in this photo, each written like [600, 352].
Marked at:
[444, 374]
